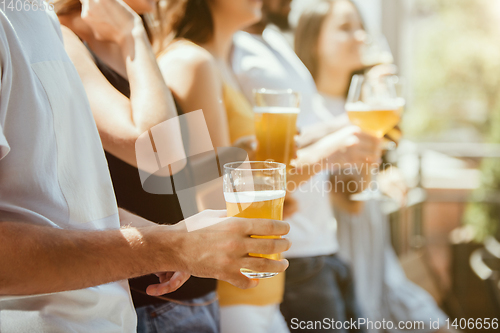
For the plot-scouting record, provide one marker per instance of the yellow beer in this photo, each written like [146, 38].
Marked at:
[275, 128]
[374, 106]
[376, 121]
[257, 204]
[255, 190]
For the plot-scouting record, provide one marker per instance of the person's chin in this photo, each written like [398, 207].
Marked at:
[146, 7]
[255, 5]
[356, 62]
[250, 20]
[359, 66]
[257, 16]
[252, 16]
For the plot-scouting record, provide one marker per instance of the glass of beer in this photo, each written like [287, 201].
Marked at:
[276, 114]
[255, 190]
[394, 134]
[374, 106]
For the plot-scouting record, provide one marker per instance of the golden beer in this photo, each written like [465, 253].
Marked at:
[376, 122]
[257, 204]
[255, 190]
[374, 106]
[275, 128]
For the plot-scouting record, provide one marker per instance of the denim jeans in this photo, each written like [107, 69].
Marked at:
[317, 288]
[179, 318]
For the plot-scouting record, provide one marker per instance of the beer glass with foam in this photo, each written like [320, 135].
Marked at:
[374, 106]
[276, 114]
[255, 190]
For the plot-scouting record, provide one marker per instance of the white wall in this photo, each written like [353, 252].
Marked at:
[371, 11]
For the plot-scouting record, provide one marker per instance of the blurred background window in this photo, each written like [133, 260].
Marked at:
[448, 52]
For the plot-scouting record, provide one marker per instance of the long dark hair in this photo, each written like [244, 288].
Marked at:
[189, 19]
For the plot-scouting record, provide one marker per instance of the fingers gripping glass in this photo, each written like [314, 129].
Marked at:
[255, 190]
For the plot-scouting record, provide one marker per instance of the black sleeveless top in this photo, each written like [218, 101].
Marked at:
[162, 209]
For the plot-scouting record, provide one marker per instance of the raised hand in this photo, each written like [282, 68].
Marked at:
[346, 147]
[354, 147]
[110, 20]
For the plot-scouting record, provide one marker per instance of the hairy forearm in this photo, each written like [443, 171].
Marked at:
[151, 100]
[128, 219]
[38, 259]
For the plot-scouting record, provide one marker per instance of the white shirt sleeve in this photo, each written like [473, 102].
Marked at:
[4, 145]
[55, 23]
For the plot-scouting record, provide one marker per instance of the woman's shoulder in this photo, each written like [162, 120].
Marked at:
[187, 52]
[190, 61]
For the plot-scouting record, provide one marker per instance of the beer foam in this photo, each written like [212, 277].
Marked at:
[253, 196]
[275, 109]
[362, 107]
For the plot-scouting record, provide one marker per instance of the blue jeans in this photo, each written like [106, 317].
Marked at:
[317, 288]
[178, 318]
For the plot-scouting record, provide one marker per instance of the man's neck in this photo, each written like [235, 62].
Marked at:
[257, 29]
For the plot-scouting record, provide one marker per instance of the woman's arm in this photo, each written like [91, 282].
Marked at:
[342, 149]
[198, 85]
[316, 132]
[120, 120]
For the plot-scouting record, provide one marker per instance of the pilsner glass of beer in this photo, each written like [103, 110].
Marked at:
[276, 114]
[374, 106]
[255, 190]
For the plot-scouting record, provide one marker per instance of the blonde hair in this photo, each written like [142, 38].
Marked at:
[154, 22]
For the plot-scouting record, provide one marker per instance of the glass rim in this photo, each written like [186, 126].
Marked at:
[395, 77]
[275, 91]
[276, 165]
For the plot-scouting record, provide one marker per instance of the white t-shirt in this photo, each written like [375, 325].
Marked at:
[335, 106]
[269, 62]
[53, 171]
